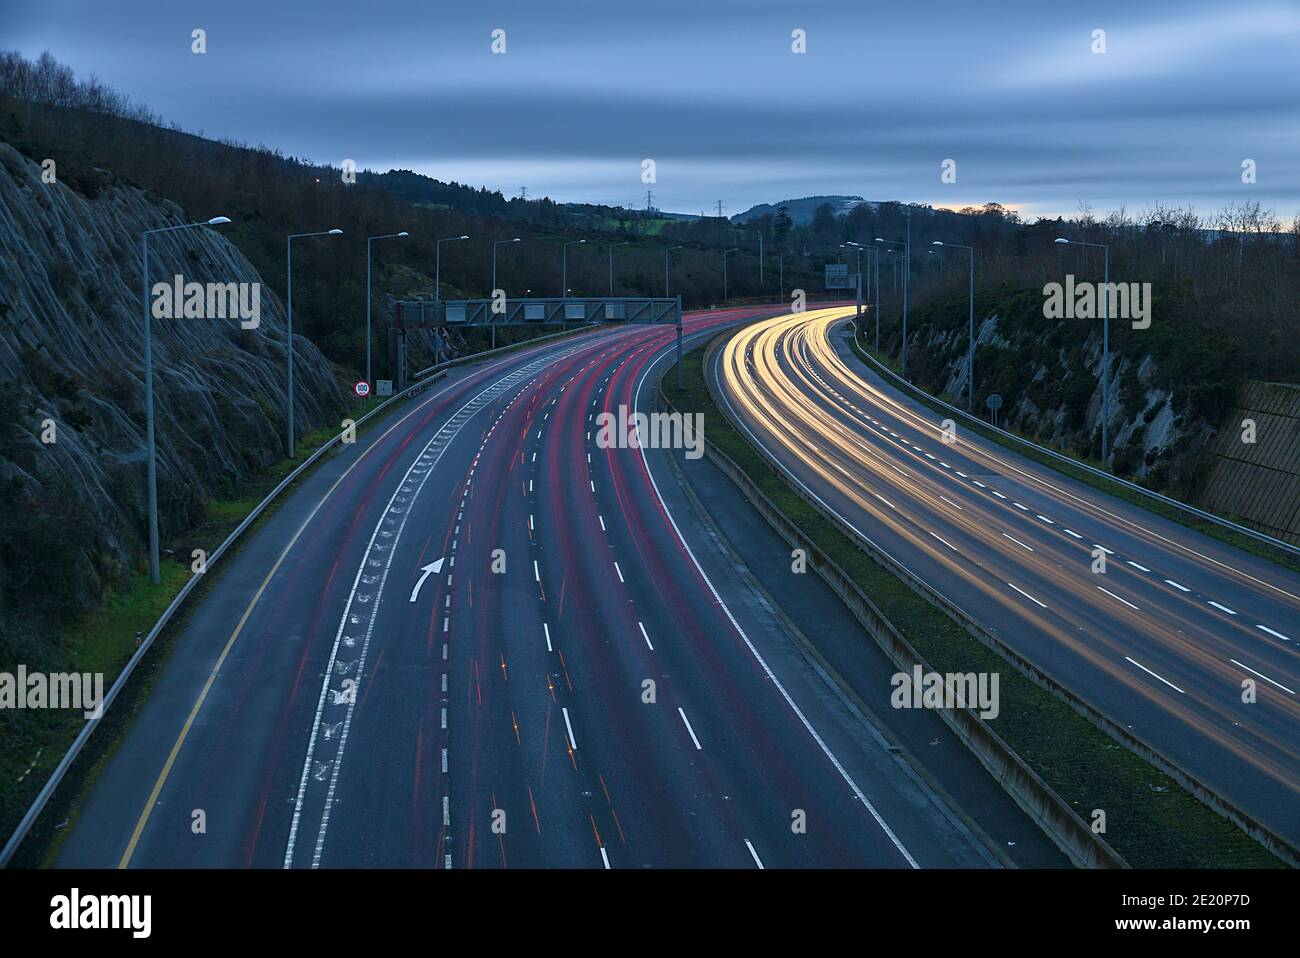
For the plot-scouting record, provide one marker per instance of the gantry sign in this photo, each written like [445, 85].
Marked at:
[440, 315]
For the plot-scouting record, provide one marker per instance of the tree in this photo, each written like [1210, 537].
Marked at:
[783, 223]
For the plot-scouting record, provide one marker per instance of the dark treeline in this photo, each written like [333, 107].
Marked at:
[1226, 285]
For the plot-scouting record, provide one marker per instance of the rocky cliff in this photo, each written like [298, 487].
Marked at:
[71, 354]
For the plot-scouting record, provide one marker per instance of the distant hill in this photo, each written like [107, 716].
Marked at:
[801, 210]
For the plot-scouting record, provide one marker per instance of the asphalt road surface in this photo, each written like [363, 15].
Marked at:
[1161, 641]
[476, 638]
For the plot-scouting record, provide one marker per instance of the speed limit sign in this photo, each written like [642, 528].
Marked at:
[362, 389]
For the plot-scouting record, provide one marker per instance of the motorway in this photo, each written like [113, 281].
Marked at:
[1161, 641]
[478, 639]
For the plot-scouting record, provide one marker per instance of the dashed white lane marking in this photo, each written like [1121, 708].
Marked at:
[1071, 532]
[1103, 549]
[998, 494]
[446, 810]
[1045, 519]
[1222, 608]
[602, 523]
[537, 573]
[753, 854]
[1181, 588]
[1020, 507]
[1027, 595]
[1140, 568]
[1018, 542]
[884, 500]
[1261, 675]
[944, 541]
[1277, 635]
[951, 503]
[682, 713]
[645, 636]
[547, 629]
[620, 573]
[604, 857]
[572, 744]
[1121, 599]
[1160, 677]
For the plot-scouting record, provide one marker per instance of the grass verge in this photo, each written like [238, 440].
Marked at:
[1150, 820]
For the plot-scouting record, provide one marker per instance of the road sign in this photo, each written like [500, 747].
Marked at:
[994, 401]
[383, 387]
[362, 389]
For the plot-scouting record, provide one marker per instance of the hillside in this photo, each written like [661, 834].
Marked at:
[71, 352]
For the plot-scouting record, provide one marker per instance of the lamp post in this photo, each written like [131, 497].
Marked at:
[288, 312]
[724, 272]
[155, 574]
[1105, 341]
[564, 267]
[611, 267]
[369, 240]
[494, 281]
[970, 348]
[666, 252]
[437, 267]
[906, 254]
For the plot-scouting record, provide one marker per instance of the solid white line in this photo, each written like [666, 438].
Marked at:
[1026, 594]
[1177, 586]
[682, 713]
[1017, 542]
[951, 503]
[757, 861]
[1262, 676]
[1222, 608]
[572, 744]
[1125, 601]
[1149, 672]
[1278, 635]
[644, 636]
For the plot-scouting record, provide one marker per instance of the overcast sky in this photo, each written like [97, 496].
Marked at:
[710, 90]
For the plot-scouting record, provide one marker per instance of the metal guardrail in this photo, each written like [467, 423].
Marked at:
[430, 375]
[1092, 470]
[1265, 836]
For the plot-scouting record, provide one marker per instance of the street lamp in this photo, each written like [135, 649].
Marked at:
[437, 265]
[1105, 341]
[970, 349]
[288, 312]
[611, 267]
[369, 240]
[724, 272]
[494, 281]
[666, 252]
[564, 266]
[155, 574]
[907, 263]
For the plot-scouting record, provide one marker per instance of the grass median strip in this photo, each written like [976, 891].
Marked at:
[1150, 820]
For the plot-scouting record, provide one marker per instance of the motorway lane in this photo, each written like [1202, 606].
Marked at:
[1161, 641]
[499, 718]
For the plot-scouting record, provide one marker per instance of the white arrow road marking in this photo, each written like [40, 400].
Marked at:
[432, 567]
